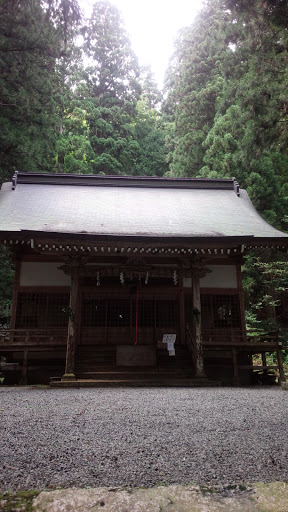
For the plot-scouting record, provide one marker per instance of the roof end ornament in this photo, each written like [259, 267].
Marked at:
[14, 180]
[236, 187]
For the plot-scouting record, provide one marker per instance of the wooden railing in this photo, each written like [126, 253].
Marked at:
[260, 336]
[223, 335]
[33, 336]
[235, 342]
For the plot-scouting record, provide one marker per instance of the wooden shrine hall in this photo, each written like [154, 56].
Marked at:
[129, 280]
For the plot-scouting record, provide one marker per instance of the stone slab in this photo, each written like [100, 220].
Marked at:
[173, 498]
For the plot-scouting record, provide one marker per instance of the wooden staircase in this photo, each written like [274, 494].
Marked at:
[96, 367]
[180, 365]
[93, 360]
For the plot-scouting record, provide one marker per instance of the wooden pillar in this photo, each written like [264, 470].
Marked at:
[15, 300]
[182, 312]
[197, 324]
[264, 363]
[235, 367]
[241, 303]
[280, 364]
[73, 324]
[24, 373]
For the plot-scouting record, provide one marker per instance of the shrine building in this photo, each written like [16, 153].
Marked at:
[130, 280]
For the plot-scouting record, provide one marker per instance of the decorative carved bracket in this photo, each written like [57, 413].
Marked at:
[136, 260]
[73, 263]
[196, 265]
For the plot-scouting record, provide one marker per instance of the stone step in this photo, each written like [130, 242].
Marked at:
[79, 383]
[132, 376]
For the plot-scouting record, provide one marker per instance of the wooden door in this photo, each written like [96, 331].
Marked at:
[129, 316]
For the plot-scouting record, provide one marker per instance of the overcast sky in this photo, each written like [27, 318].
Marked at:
[152, 26]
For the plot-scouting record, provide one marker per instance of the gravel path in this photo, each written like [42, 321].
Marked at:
[140, 437]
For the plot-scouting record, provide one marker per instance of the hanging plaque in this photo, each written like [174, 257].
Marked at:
[169, 338]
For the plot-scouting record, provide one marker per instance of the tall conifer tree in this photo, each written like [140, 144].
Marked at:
[27, 66]
[113, 85]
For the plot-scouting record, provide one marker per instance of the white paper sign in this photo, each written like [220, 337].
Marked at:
[169, 338]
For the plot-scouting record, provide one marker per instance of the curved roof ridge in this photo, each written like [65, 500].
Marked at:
[123, 180]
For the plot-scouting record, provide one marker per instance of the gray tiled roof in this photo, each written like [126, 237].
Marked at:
[154, 211]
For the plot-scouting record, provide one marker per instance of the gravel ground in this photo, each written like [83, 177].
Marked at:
[141, 437]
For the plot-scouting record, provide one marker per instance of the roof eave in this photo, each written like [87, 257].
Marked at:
[203, 239]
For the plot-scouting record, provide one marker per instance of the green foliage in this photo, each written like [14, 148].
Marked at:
[196, 86]
[35, 41]
[75, 154]
[150, 92]
[6, 276]
[113, 74]
[57, 115]
[151, 135]
[105, 98]
[274, 271]
[21, 500]
[265, 284]
[227, 86]
[27, 63]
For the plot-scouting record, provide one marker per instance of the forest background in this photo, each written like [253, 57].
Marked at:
[73, 99]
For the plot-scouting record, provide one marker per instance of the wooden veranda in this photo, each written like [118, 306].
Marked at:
[27, 353]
